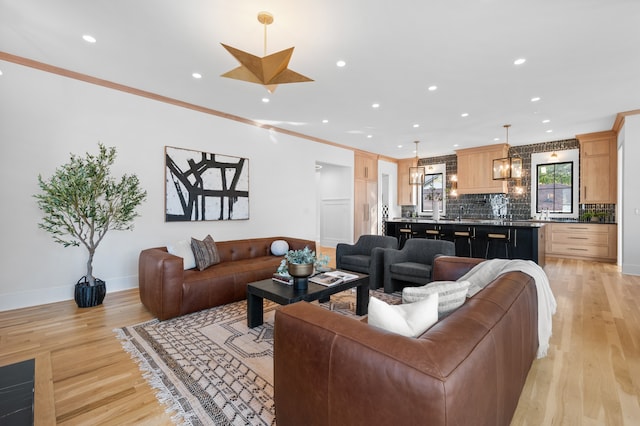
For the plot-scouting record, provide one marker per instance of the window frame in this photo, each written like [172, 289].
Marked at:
[563, 156]
[554, 164]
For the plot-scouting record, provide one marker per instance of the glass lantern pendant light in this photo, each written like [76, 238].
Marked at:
[508, 167]
[416, 173]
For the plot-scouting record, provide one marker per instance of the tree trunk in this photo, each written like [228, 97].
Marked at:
[90, 277]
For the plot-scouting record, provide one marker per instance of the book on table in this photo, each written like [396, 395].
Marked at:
[332, 278]
[282, 278]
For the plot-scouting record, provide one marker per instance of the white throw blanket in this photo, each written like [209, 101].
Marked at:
[484, 273]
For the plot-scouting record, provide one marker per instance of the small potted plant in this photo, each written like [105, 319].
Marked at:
[81, 201]
[300, 264]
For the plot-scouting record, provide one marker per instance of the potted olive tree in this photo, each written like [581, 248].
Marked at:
[81, 201]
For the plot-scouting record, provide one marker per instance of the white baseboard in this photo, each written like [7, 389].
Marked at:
[25, 299]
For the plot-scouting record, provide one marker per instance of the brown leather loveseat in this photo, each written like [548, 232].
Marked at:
[467, 369]
[168, 291]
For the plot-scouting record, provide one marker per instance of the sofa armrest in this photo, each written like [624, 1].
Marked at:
[343, 249]
[391, 256]
[321, 357]
[376, 268]
[160, 278]
[450, 268]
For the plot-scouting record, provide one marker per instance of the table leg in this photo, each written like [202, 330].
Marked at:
[254, 310]
[362, 299]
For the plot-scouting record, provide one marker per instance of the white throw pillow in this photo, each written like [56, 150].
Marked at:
[279, 247]
[182, 248]
[411, 319]
[451, 294]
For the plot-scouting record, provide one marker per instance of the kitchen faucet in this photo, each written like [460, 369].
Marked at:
[460, 212]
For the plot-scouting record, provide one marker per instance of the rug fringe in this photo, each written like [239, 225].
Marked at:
[163, 394]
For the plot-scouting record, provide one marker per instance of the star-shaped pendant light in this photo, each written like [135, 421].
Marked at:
[270, 70]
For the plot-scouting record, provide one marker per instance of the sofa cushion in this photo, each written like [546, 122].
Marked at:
[183, 249]
[451, 295]
[356, 262]
[411, 268]
[205, 252]
[411, 319]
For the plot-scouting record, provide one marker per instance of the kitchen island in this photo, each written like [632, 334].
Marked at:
[477, 237]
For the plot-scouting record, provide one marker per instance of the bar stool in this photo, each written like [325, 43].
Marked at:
[468, 235]
[405, 234]
[499, 238]
[433, 234]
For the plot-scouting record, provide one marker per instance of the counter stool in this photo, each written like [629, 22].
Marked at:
[457, 235]
[405, 234]
[499, 238]
[433, 234]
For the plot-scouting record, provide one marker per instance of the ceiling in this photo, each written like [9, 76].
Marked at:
[582, 61]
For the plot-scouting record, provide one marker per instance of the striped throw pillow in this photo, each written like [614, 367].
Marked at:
[205, 252]
[451, 295]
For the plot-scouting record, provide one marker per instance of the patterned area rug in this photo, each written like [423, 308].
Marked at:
[210, 368]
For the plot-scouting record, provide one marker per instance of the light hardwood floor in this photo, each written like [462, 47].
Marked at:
[590, 377]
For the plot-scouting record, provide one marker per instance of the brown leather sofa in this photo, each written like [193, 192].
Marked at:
[467, 369]
[168, 291]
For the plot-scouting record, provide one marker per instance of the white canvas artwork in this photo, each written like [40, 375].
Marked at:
[205, 186]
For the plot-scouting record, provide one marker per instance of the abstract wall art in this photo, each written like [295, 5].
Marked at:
[205, 186]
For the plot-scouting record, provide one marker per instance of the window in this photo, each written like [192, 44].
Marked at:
[554, 187]
[433, 189]
[566, 205]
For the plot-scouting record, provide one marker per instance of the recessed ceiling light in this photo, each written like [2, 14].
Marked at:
[325, 121]
[496, 139]
[415, 126]
[549, 131]
[432, 88]
[535, 99]
[0, 72]
[369, 136]
[196, 75]
[464, 114]
[455, 145]
[376, 105]
[88, 38]
[265, 100]
[341, 63]
[399, 146]
[519, 61]
[546, 121]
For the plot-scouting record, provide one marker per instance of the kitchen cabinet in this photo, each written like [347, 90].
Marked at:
[526, 241]
[366, 166]
[598, 167]
[583, 241]
[475, 169]
[365, 194]
[407, 194]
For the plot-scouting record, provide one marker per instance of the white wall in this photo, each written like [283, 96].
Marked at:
[629, 136]
[335, 204]
[45, 117]
[390, 169]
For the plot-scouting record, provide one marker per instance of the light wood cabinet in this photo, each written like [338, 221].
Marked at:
[365, 194]
[598, 167]
[366, 166]
[406, 193]
[475, 170]
[582, 241]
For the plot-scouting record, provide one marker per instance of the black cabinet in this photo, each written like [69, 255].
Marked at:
[477, 240]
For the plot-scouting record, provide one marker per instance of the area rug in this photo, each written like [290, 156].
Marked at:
[210, 368]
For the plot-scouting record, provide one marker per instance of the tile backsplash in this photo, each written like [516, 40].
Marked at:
[493, 205]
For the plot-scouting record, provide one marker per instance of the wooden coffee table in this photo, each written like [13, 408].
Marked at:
[284, 294]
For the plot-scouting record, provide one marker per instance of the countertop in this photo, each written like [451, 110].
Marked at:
[490, 222]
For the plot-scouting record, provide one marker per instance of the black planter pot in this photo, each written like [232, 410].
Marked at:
[87, 296]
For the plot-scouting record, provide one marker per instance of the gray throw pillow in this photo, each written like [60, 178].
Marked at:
[451, 295]
[205, 252]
